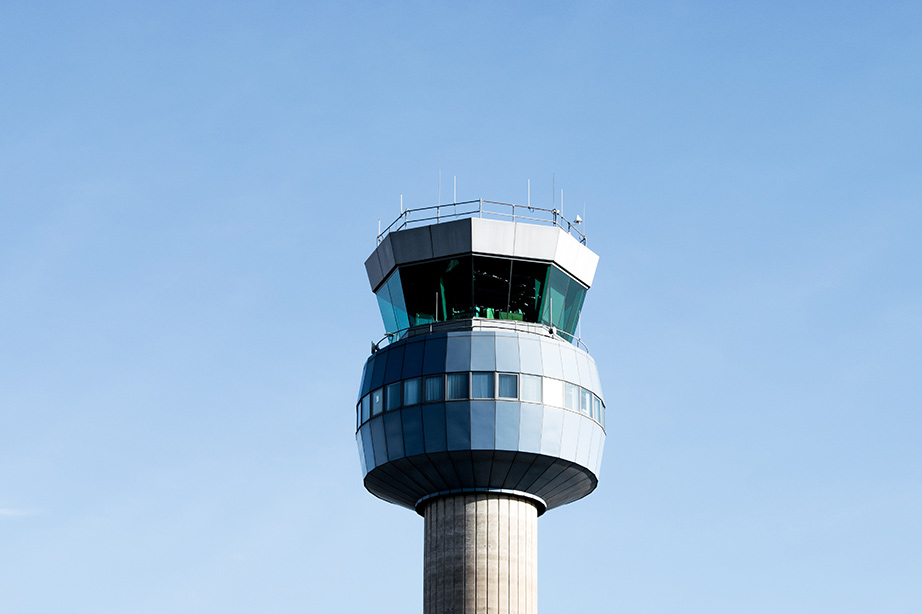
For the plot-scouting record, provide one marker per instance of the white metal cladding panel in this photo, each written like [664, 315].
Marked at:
[507, 352]
[493, 237]
[458, 352]
[535, 242]
[569, 439]
[412, 245]
[598, 454]
[550, 358]
[586, 263]
[585, 377]
[594, 449]
[530, 355]
[551, 431]
[451, 238]
[567, 251]
[568, 361]
[373, 269]
[594, 378]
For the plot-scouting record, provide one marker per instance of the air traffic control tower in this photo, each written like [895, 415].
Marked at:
[480, 409]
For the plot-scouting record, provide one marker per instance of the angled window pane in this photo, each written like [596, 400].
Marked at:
[508, 386]
[392, 396]
[482, 385]
[526, 291]
[491, 286]
[377, 401]
[571, 396]
[596, 409]
[457, 386]
[366, 407]
[387, 308]
[435, 388]
[553, 392]
[585, 402]
[411, 391]
[531, 388]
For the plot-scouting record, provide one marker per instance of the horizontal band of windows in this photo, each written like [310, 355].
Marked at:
[480, 385]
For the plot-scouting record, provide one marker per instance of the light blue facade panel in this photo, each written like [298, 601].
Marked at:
[413, 440]
[358, 442]
[568, 362]
[550, 359]
[483, 352]
[379, 440]
[584, 447]
[594, 447]
[394, 432]
[551, 431]
[597, 468]
[394, 367]
[530, 427]
[413, 360]
[507, 353]
[507, 425]
[434, 355]
[530, 356]
[458, 353]
[368, 447]
[458, 423]
[434, 427]
[483, 423]
[569, 440]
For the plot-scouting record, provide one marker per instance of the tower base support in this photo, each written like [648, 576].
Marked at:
[480, 555]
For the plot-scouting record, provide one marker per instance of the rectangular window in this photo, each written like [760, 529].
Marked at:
[508, 386]
[571, 396]
[553, 392]
[366, 408]
[482, 385]
[457, 386]
[596, 409]
[377, 401]
[585, 402]
[435, 388]
[358, 416]
[392, 397]
[411, 392]
[531, 388]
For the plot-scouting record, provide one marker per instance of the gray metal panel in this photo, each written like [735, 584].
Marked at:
[530, 355]
[584, 447]
[483, 352]
[458, 352]
[413, 440]
[434, 427]
[535, 242]
[569, 440]
[530, 427]
[368, 446]
[507, 425]
[550, 358]
[358, 442]
[412, 245]
[394, 431]
[458, 425]
[551, 430]
[568, 361]
[492, 237]
[451, 238]
[373, 270]
[594, 447]
[378, 440]
[597, 469]
[483, 423]
[507, 353]
[386, 256]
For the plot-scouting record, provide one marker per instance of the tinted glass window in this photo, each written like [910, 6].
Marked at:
[366, 407]
[526, 290]
[392, 397]
[531, 388]
[585, 402]
[438, 291]
[508, 386]
[491, 287]
[377, 401]
[571, 396]
[411, 392]
[435, 388]
[457, 386]
[482, 386]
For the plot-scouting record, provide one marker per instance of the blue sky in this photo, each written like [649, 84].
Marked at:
[188, 192]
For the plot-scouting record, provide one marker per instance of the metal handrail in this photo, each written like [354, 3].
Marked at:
[423, 216]
[475, 324]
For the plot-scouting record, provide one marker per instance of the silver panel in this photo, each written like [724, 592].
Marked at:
[412, 245]
[492, 237]
[550, 358]
[569, 438]
[570, 369]
[551, 431]
[451, 238]
[586, 263]
[536, 242]
[567, 250]
[584, 447]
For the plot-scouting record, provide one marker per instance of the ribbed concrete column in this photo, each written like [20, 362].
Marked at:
[480, 555]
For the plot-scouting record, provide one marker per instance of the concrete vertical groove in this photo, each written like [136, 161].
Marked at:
[480, 555]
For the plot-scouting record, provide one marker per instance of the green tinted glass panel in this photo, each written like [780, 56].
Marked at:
[491, 287]
[438, 291]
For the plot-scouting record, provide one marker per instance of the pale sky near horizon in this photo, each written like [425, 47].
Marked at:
[188, 191]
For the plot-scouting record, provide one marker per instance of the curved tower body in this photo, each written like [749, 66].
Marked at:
[483, 410]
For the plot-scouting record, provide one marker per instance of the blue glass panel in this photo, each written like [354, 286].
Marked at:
[530, 427]
[434, 427]
[435, 388]
[576, 294]
[413, 360]
[483, 352]
[483, 419]
[413, 431]
[392, 396]
[508, 386]
[507, 353]
[555, 294]
[457, 386]
[361, 446]
[377, 436]
[368, 447]
[394, 431]
[412, 391]
[530, 355]
[434, 358]
[379, 360]
[458, 417]
[459, 352]
[400, 309]
[366, 407]
[482, 385]
[394, 364]
[507, 425]
[550, 359]
[387, 308]
[551, 431]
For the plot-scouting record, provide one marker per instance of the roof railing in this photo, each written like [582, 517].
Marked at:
[485, 209]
